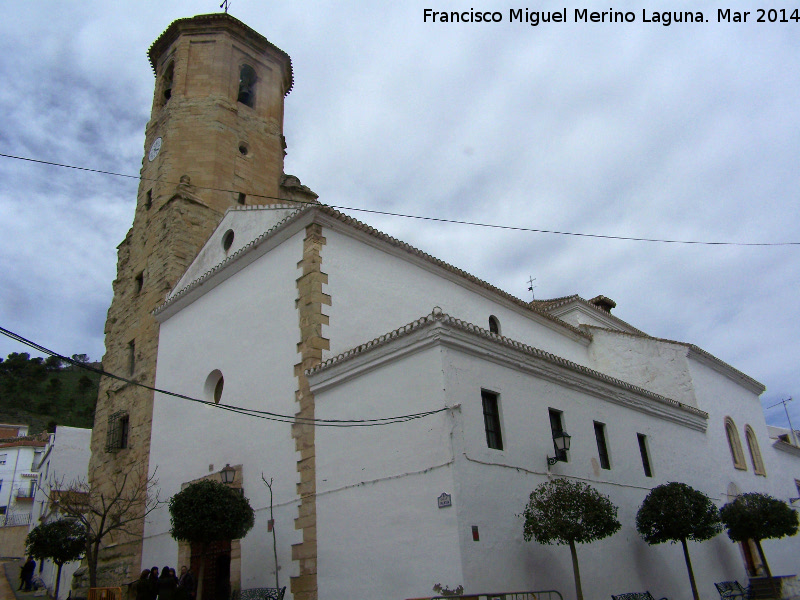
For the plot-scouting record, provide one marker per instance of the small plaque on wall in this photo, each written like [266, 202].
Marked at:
[445, 500]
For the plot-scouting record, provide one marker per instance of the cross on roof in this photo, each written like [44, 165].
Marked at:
[531, 286]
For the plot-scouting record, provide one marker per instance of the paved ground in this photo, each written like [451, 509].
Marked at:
[9, 581]
[7, 587]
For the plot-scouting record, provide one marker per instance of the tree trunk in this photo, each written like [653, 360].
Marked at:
[689, 568]
[763, 558]
[58, 579]
[576, 571]
[201, 574]
[91, 562]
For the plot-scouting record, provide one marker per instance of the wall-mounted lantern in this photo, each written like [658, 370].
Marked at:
[228, 474]
[561, 440]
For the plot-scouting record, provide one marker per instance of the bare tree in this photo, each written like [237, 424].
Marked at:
[117, 506]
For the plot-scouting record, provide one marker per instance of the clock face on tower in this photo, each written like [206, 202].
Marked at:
[155, 149]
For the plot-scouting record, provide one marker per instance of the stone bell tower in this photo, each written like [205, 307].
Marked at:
[214, 140]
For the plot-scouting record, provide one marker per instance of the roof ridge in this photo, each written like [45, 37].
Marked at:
[369, 229]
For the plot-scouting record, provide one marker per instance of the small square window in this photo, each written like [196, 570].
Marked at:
[491, 420]
[645, 456]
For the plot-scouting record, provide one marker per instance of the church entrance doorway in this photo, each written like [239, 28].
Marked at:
[217, 572]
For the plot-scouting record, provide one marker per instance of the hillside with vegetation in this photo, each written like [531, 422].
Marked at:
[44, 392]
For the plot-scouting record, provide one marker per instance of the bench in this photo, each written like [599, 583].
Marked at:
[634, 596]
[731, 589]
[260, 594]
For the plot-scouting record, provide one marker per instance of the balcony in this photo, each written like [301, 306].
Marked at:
[22, 494]
[15, 520]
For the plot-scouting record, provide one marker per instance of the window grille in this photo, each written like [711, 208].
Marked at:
[117, 437]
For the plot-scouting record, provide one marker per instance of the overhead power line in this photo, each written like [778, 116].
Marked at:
[421, 217]
[261, 414]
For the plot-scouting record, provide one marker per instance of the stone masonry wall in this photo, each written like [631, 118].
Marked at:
[310, 300]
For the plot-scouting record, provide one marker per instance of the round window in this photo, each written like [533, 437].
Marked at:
[227, 240]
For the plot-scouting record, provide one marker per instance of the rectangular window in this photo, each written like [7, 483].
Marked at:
[148, 199]
[557, 427]
[491, 420]
[2, 510]
[643, 451]
[117, 435]
[602, 447]
[3, 458]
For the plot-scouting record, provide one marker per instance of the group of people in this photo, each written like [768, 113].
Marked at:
[167, 586]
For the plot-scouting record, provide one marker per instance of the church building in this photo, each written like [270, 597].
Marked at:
[402, 409]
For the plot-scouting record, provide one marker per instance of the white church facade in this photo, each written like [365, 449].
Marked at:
[300, 310]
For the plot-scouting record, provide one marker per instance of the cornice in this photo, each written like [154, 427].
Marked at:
[440, 328]
[206, 24]
[788, 448]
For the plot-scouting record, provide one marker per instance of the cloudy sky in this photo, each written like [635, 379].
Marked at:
[687, 132]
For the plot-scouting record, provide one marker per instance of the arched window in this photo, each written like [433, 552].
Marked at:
[734, 444]
[494, 325]
[213, 386]
[755, 453]
[166, 82]
[247, 85]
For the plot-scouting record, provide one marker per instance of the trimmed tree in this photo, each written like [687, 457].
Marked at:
[565, 512]
[61, 541]
[758, 517]
[208, 511]
[676, 512]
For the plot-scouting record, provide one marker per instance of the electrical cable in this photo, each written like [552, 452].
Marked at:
[420, 217]
[262, 414]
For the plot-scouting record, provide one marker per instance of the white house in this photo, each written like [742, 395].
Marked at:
[305, 311]
[65, 460]
[19, 455]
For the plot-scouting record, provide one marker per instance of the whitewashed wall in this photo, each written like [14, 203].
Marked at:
[19, 460]
[374, 292]
[491, 487]
[247, 327]
[66, 459]
[380, 533]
